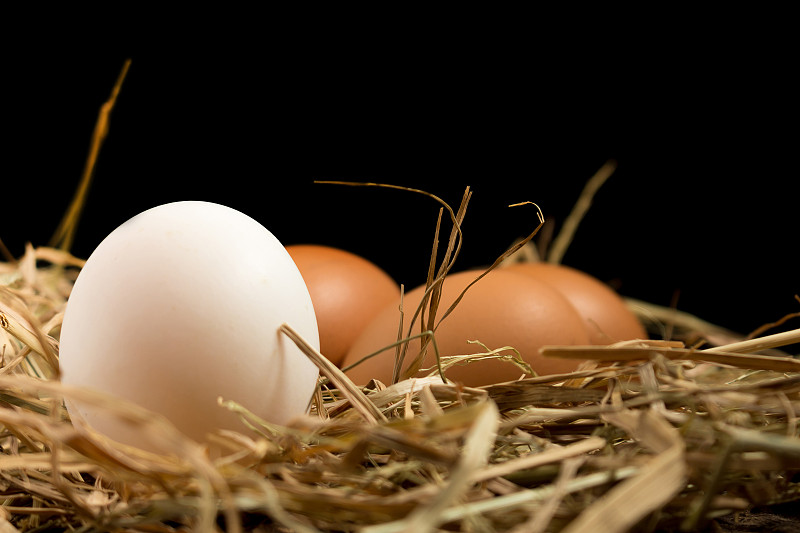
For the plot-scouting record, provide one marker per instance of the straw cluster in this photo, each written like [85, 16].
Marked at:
[648, 436]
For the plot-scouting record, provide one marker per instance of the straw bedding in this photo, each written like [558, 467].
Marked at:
[648, 436]
[698, 432]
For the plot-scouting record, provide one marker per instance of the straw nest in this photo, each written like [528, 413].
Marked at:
[652, 435]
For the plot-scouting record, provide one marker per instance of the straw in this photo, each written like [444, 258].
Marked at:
[549, 453]
[650, 435]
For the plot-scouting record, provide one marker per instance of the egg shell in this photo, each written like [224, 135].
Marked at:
[502, 309]
[605, 315]
[181, 305]
[347, 291]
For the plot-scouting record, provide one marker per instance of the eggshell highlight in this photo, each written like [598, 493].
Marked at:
[606, 317]
[347, 291]
[181, 305]
[502, 309]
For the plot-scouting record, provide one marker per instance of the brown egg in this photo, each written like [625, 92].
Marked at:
[346, 290]
[604, 313]
[502, 309]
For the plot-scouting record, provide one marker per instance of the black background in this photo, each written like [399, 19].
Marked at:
[702, 206]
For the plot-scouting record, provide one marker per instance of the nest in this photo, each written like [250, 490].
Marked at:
[650, 435]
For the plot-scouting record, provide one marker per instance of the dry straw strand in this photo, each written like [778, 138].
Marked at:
[65, 233]
[579, 210]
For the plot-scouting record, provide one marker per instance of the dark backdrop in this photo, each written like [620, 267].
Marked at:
[701, 207]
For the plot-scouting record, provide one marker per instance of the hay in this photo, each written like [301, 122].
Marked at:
[680, 435]
[651, 435]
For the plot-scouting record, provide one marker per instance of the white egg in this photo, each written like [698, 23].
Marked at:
[181, 305]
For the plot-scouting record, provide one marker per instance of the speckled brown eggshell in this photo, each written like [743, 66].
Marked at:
[604, 313]
[502, 309]
[346, 290]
